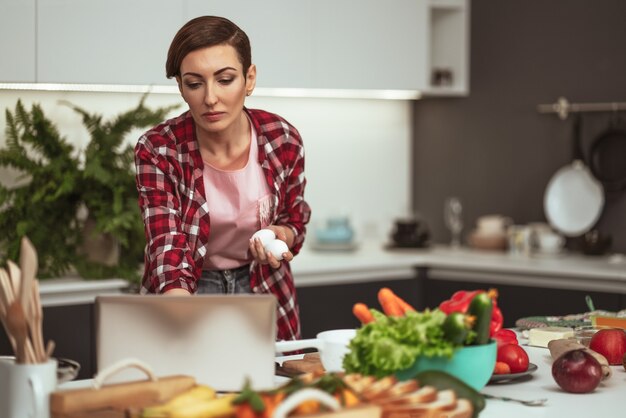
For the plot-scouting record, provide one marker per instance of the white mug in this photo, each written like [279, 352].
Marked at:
[332, 346]
[550, 242]
[26, 388]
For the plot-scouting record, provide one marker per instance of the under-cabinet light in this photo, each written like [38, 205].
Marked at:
[259, 91]
[100, 88]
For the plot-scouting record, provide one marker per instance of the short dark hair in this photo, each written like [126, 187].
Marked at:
[203, 32]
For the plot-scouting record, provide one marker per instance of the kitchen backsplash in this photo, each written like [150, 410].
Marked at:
[358, 151]
[493, 149]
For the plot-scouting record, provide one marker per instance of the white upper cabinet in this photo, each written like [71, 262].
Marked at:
[369, 44]
[105, 41]
[17, 41]
[280, 36]
[353, 44]
[416, 45]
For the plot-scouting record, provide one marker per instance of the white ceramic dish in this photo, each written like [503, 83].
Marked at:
[498, 378]
[573, 200]
[332, 345]
[67, 370]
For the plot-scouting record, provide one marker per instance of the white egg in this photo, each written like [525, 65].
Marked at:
[277, 248]
[265, 235]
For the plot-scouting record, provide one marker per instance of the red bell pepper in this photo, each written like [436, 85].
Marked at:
[460, 301]
[505, 336]
[496, 319]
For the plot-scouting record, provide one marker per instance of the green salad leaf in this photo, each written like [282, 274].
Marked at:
[390, 344]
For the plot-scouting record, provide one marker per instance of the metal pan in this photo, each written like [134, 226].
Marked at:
[574, 198]
[606, 158]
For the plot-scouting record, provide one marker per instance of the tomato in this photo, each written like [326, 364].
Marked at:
[501, 368]
[245, 411]
[515, 356]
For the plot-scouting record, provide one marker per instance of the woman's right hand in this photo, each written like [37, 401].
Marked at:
[265, 257]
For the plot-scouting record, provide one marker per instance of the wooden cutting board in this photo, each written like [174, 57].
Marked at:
[111, 401]
[310, 363]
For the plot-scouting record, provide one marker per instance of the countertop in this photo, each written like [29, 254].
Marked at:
[373, 261]
[604, 402]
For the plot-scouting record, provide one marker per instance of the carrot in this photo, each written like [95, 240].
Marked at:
[271, 403]
[308, 407]
[389, 302]
[362, 313]
[245, 411]
[404, 305]
[346, 398]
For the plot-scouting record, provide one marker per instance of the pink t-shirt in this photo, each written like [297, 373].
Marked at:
[239, 205]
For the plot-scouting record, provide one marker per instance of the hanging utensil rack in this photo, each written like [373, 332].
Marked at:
[563, 107]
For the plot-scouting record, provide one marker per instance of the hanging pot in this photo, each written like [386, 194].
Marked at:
[574, 198]
[606, 158]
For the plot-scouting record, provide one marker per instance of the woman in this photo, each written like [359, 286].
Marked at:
[211, 177]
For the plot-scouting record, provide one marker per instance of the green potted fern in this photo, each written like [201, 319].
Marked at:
[66, 199]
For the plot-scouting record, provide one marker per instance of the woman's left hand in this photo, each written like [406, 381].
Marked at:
[283, 233]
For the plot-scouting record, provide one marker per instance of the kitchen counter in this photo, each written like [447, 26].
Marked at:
[371, 261]
[604, 402]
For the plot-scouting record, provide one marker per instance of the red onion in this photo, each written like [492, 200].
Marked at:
[577, 372]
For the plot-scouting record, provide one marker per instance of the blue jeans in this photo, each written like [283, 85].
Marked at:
[235, 280]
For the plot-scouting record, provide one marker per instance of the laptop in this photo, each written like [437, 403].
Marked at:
[220, 340]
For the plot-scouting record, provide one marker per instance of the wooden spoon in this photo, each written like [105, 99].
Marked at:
[16, 276]
[28, 264]
[7, 297]
[6, 292]
[49, 349]
[18, 328]
[35, 322]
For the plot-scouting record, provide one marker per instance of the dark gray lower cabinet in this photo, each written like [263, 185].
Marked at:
[70, 327]
[330, 306]
[327, 307]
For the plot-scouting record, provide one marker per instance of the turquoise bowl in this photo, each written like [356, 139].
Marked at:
[472, 364]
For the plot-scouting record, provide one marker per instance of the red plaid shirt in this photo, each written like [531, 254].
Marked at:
[175, 212]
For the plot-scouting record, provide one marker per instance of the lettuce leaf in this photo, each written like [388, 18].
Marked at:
[391, 344]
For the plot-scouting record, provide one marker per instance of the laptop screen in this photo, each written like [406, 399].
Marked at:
[219, 339]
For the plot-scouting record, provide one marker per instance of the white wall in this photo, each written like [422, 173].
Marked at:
[357, 151]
